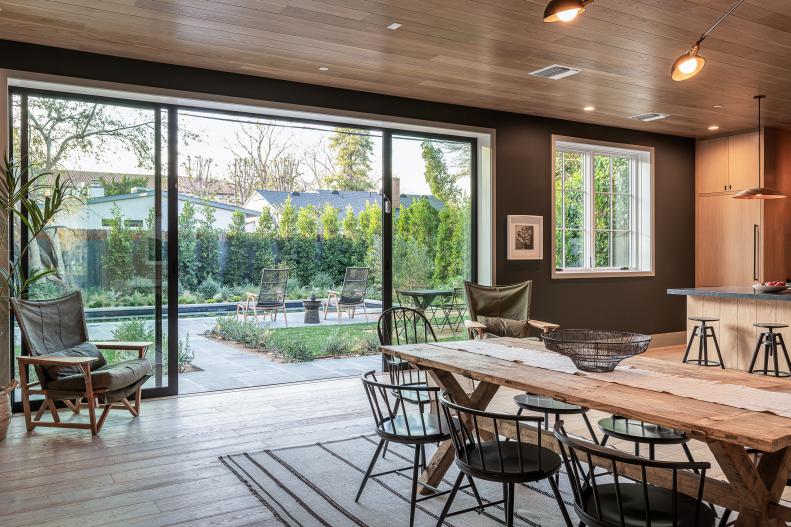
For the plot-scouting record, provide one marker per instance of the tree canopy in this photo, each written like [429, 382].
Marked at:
[353, 150]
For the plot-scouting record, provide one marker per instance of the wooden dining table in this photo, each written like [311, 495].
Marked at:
[729, 424]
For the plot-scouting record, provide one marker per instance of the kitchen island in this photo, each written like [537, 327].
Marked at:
[738, 308]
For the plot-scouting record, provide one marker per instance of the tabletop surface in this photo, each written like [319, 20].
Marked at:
[700, 418]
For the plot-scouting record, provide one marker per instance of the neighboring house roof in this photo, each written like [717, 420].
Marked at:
[182, 197]
[340, 199]
[86, 177]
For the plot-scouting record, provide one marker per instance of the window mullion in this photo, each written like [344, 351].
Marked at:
[590, 204]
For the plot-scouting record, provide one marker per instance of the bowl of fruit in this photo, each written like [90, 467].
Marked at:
[770, 287]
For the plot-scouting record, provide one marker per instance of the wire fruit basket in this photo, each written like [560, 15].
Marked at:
[596, 350]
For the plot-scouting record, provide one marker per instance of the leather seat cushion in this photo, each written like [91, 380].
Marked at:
[109, 377]
[660, 501]
[86, 349]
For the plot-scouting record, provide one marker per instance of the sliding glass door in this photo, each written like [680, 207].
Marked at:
[109, 241]
[178, 210]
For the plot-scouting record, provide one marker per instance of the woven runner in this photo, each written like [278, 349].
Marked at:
[725, 393]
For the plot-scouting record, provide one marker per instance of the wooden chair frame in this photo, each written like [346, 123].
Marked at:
[90, 395]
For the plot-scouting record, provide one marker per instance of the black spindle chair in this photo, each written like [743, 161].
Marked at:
[402, 325]
[482, 452]
[611, 499]
[410, 424]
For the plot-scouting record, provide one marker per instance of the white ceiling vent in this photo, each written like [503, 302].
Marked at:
[555, 72]
[651, 116]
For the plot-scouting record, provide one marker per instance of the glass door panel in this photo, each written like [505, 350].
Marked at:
[432, 244]
[107, 242]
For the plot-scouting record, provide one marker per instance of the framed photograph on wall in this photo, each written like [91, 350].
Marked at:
[525, 237]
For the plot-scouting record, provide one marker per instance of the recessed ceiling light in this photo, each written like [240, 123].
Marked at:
[394, 26]
[714, 127]
[718, 106]
[589, 108]
[324, 68]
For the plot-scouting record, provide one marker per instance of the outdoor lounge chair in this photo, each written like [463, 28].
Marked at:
[501, 311]
[352, 294]
[271, 296]
[69, 368]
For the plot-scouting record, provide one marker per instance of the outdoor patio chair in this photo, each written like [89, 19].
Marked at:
[501, 311]
[271, 296]
[352, 294]
[69, 368]
[453, 309]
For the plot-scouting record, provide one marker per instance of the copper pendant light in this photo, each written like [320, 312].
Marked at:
[759, 192]
[690, 63]
[564, 10]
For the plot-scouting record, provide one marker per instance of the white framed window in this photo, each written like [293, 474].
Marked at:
[602, 203]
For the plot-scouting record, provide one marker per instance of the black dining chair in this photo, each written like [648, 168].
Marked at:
[483, 453]
[402, 325]
[415, 425]
[613, 499]
[640, 432]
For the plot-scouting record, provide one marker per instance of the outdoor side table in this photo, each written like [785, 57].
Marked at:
[312, 311]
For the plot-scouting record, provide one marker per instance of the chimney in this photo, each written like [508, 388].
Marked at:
[96, 190]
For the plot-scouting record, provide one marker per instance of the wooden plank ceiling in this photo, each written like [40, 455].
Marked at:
[470, 52]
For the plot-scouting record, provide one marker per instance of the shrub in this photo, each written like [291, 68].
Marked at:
[336, 345]
[45, 290]
[293, 349]
[140, 284]
[186, 355]
[135, 329]
[243, 331]
[369, 345]
[208, 288]
[321, 282]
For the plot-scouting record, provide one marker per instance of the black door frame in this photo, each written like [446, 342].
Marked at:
[172, 204]
[169, 263]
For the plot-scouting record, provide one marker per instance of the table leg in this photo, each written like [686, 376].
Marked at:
[478, 399]
[758, 487]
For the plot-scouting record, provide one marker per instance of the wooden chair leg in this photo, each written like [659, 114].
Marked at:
[105, 412]
[53, 410]
[365, 311]
[285, 315]
[26, 398]
[138, 397]
[129, 406]
[41, 409]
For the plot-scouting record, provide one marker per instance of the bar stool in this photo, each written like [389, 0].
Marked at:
[770, 341]
[703, 332]
[548, 405]
[640, 432]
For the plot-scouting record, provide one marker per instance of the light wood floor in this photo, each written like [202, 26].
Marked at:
[162, 468]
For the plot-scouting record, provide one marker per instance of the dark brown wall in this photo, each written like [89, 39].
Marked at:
[523, 152]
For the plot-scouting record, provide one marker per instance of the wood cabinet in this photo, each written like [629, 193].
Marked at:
[712, 166]
[739, 242]
[728, 241]
[727, 164]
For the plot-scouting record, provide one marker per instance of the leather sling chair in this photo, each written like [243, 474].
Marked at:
[69, 368]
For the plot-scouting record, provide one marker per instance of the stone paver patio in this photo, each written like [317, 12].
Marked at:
[227, 366]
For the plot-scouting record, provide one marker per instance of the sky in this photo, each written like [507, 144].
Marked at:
[216, 139]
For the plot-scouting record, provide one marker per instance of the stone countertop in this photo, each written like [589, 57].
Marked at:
[731, 292]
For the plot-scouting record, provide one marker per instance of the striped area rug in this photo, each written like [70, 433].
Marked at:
[315, 485]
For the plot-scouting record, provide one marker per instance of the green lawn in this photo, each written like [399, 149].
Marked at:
[315, 336]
